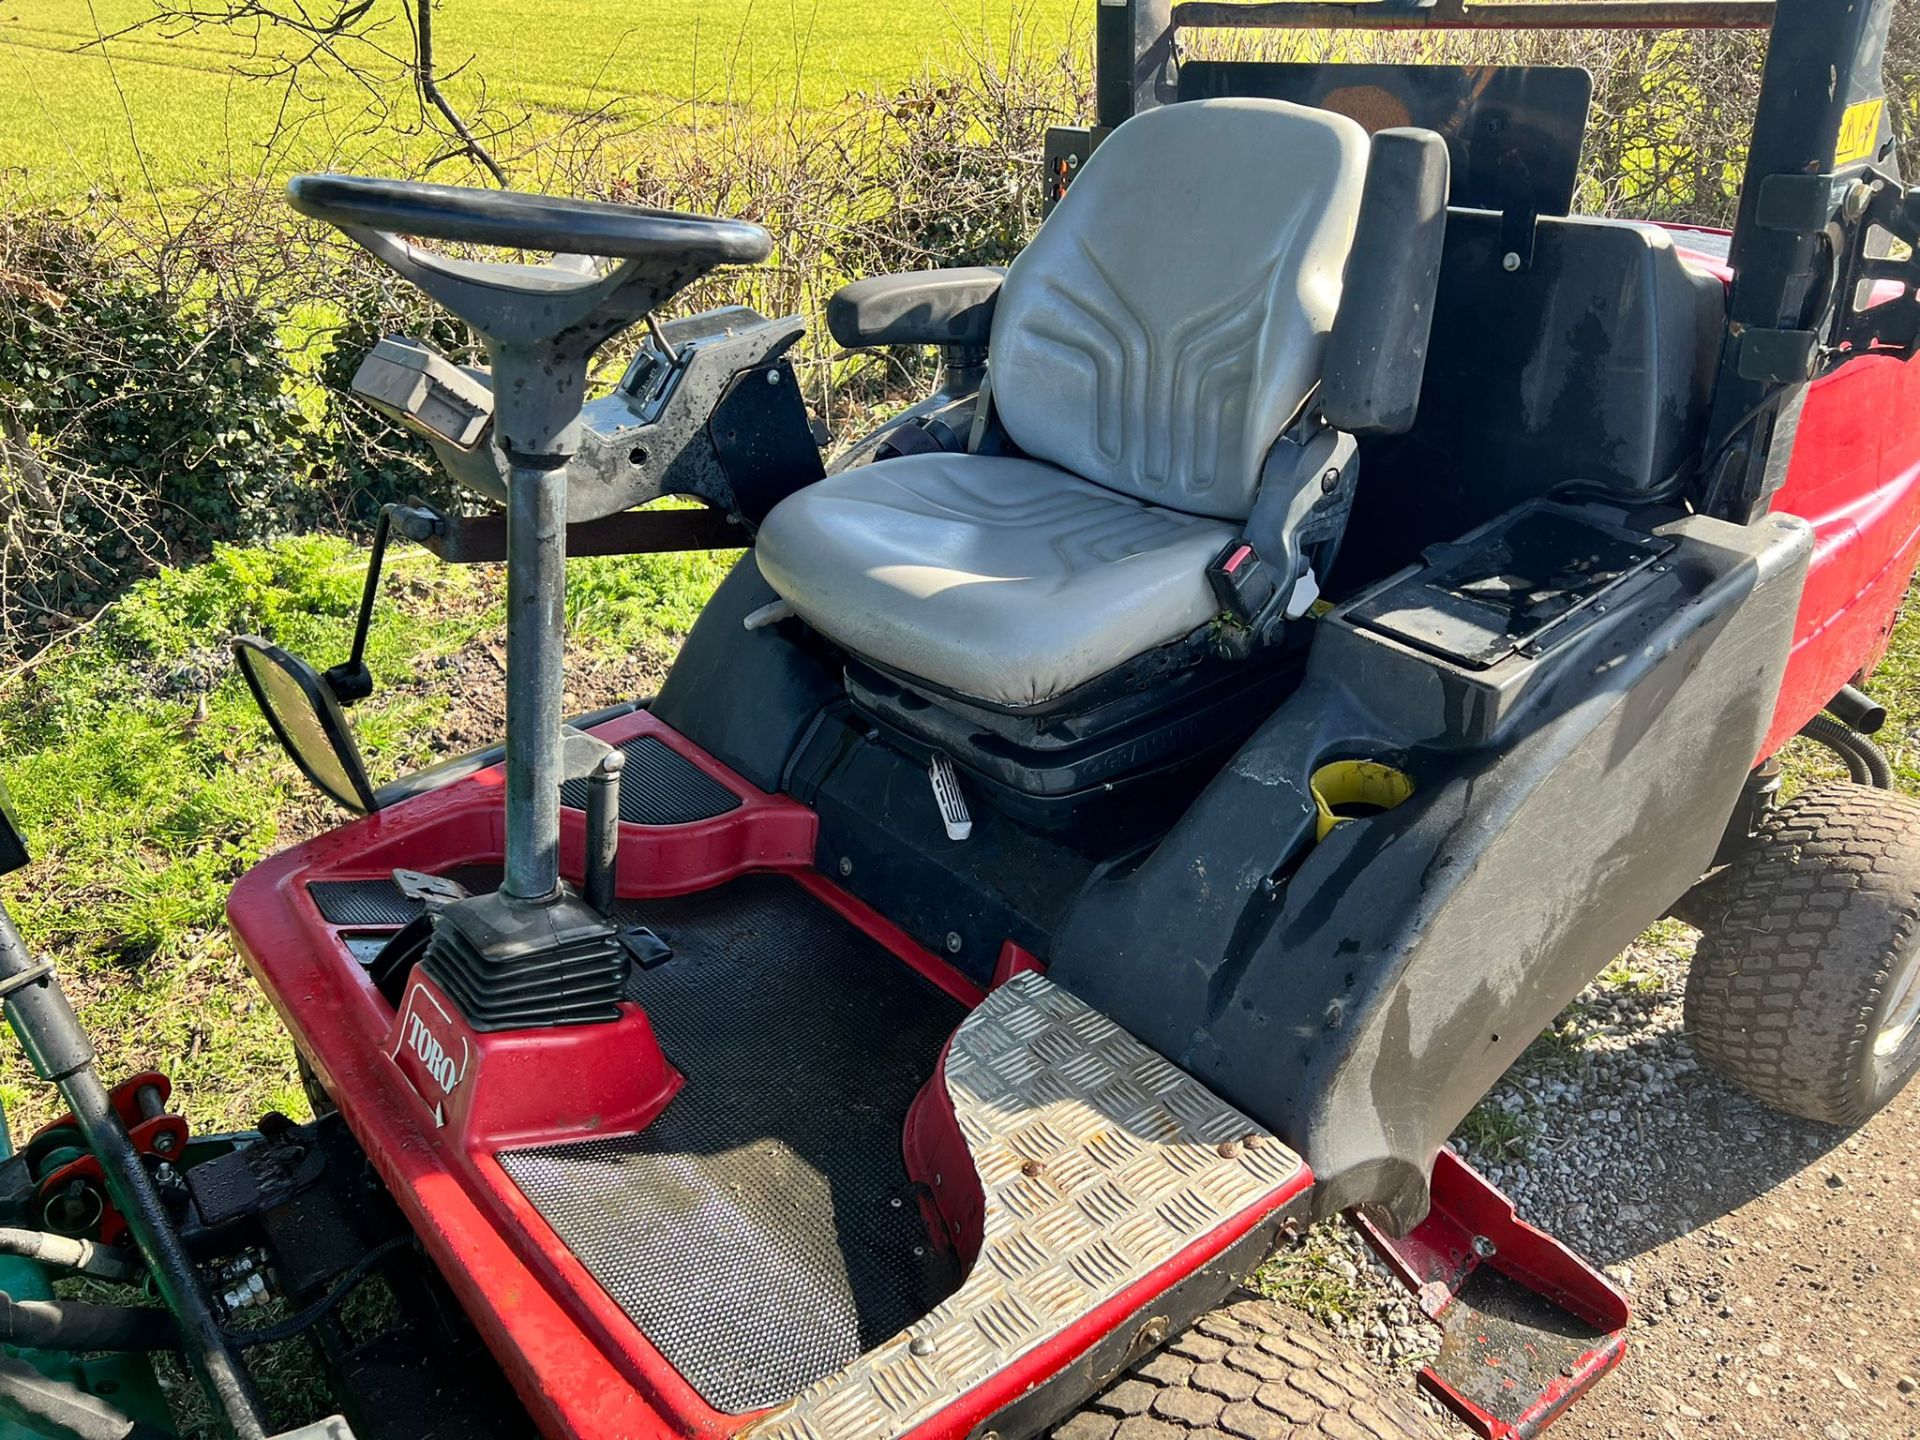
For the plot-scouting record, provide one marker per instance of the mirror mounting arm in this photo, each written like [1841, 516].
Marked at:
[350, 680]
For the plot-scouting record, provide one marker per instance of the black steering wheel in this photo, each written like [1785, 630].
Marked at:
[513, 219]
[654, 254]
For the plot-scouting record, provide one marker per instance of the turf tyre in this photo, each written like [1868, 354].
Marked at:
[1810, 953]
[1251, 1370]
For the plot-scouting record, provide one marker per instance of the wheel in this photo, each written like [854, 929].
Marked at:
[1805, 987]
[1254, 1370]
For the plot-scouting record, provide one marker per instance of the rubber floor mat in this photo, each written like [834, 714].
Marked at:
[763, 1232]
[660, 786]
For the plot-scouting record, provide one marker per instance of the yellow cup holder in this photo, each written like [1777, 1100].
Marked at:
[1354, 790]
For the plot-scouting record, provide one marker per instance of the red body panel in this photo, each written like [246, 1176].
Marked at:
[1855, 476]
[431, 1103]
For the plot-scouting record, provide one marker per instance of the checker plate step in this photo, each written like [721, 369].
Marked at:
[1130, 1173]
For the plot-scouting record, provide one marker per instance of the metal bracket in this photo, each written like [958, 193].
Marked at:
[1527, 1325]
[1876, 274]
[1778, 357]
[1795, 204]
[31, 976]
[1068, 147]
[1517, 231]
[1877, 296]
[482, 539]
[431, 891]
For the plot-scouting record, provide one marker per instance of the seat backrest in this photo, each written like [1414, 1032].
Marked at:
[1168, 321]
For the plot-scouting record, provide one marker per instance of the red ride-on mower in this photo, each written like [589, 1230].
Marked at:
[1135, 803]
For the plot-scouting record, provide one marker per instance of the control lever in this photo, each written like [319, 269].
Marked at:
[600, 765]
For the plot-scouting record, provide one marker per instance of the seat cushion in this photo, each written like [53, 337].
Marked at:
[1004, 580]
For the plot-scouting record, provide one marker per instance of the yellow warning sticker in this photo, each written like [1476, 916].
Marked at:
[1859, 132]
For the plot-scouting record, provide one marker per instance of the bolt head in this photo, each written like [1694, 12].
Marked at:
[773, 377]
[953, 942]
[920, 1345]
[1227, 1149]
[846, 866]
[1483, 1247]
[1510, 261]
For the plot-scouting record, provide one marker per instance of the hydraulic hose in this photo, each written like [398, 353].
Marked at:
[305, 1320]
[76, 1325]
[60, 1408]
[63, 1252]
[1866, 763]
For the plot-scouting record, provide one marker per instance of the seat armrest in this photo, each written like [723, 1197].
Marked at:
[920, 307]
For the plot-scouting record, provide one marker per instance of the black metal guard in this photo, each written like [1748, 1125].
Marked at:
[1457, 15]
[1822, 113]
[1137, 63]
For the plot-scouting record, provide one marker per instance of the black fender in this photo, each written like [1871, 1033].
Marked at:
[1361, 994]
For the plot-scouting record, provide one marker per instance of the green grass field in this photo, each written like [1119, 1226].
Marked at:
[177, 109]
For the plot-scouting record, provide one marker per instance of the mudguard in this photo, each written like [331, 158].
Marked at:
[1571, 778]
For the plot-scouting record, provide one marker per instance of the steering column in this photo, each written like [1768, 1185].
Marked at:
[535, 952]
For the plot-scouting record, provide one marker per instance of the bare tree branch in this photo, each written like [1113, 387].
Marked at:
[430, 90]
[343, 39]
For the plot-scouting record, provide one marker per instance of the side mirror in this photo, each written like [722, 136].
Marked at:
[13, 841]
[307, 720]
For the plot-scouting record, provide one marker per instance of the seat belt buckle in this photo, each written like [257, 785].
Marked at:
[1243, 584]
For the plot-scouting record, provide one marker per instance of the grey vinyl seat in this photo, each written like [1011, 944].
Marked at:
[1163, 329]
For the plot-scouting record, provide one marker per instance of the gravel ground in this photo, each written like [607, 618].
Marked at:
[1771, 1261]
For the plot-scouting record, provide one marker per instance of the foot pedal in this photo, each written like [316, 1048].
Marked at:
[946, 794]
[430, 891]
[647, 949]
[1526, 1325]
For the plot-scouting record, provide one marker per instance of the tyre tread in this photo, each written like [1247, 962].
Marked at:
[1797, 945]
[1251, 1370]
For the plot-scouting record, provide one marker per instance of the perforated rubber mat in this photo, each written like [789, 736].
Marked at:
[660, 786]
[379, 901]
[762, 1233]
[362, 902]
